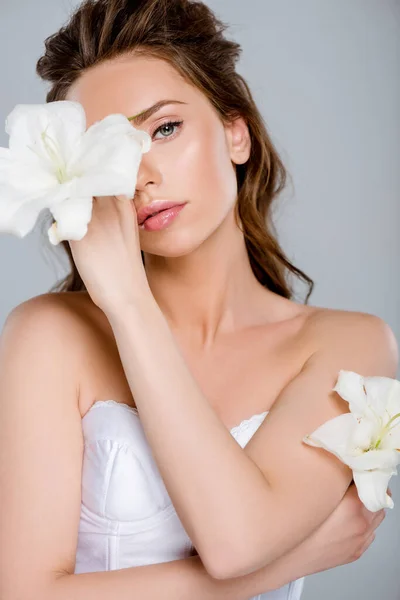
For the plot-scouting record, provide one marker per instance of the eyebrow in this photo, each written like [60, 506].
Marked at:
[141, 117]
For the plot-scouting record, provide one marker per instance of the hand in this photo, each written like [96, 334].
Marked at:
[345, 535]
[108, 258]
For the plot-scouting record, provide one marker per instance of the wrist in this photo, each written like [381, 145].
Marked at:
[141, 304]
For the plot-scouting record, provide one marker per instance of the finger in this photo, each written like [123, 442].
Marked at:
[369, 513]
[124, 197]
[371, 519]
[104, 206]
[380, 516]
[103, 201]
[368, 541]
[100, 204]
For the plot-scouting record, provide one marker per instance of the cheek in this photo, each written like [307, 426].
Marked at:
[205, 171]
[200, 171]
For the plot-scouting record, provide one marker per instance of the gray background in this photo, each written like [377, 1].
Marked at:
[326, 75]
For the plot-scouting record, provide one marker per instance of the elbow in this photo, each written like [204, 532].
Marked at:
[234, 571]
[233, 558]
[225, 565]
[246, 560]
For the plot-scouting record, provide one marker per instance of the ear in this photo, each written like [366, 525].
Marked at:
[238, 139]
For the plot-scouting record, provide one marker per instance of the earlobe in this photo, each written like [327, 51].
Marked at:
[243, 153]
[239, 140]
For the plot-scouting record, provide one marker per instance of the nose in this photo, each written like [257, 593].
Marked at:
[148, 173]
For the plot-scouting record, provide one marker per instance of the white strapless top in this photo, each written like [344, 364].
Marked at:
[127, 517]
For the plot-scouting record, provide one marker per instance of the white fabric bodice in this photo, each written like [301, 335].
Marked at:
[127, 517]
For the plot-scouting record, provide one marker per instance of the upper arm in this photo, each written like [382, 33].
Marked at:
[307, 483]
[41, 446]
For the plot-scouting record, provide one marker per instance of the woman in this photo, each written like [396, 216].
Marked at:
[187, 322]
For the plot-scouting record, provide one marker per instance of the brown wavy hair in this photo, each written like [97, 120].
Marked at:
[189, 36]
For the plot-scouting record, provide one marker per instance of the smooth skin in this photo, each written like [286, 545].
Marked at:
[72, 353]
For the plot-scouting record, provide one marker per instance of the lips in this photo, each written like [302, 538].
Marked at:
[153, 215]
[153, 208]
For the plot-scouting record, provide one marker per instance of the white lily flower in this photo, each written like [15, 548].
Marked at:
[367, 439]
[54, 162]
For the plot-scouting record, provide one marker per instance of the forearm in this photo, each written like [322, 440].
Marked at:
[184, 579]
[202, 465]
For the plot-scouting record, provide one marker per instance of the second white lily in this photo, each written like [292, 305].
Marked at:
[367, 439]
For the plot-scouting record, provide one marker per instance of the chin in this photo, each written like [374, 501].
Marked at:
[174, 245]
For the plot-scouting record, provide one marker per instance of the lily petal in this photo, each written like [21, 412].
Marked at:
[24, 176]
[110, 168]
[19, 213]
[28, 176]
[380, 390]
[393, 400]
[64, 120]
[112, 126]
[144, 138]
[391, 440]
[365, 432]
[334, 435]
[372, 489]
[72, 217]
[108, 157]
[350, 386]
[374, 459]
[24, 220]
[28, 154]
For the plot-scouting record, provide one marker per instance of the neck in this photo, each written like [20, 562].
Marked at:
[209, 292]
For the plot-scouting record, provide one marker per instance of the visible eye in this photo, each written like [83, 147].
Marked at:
[166, 126]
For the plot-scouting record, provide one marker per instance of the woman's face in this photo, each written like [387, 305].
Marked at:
[191, 161]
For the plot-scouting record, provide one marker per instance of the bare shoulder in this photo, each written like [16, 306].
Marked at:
[334, 330]
[55, 324]
[47, 314]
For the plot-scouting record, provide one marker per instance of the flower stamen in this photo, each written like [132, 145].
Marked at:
[55, 156]
[386, 429]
